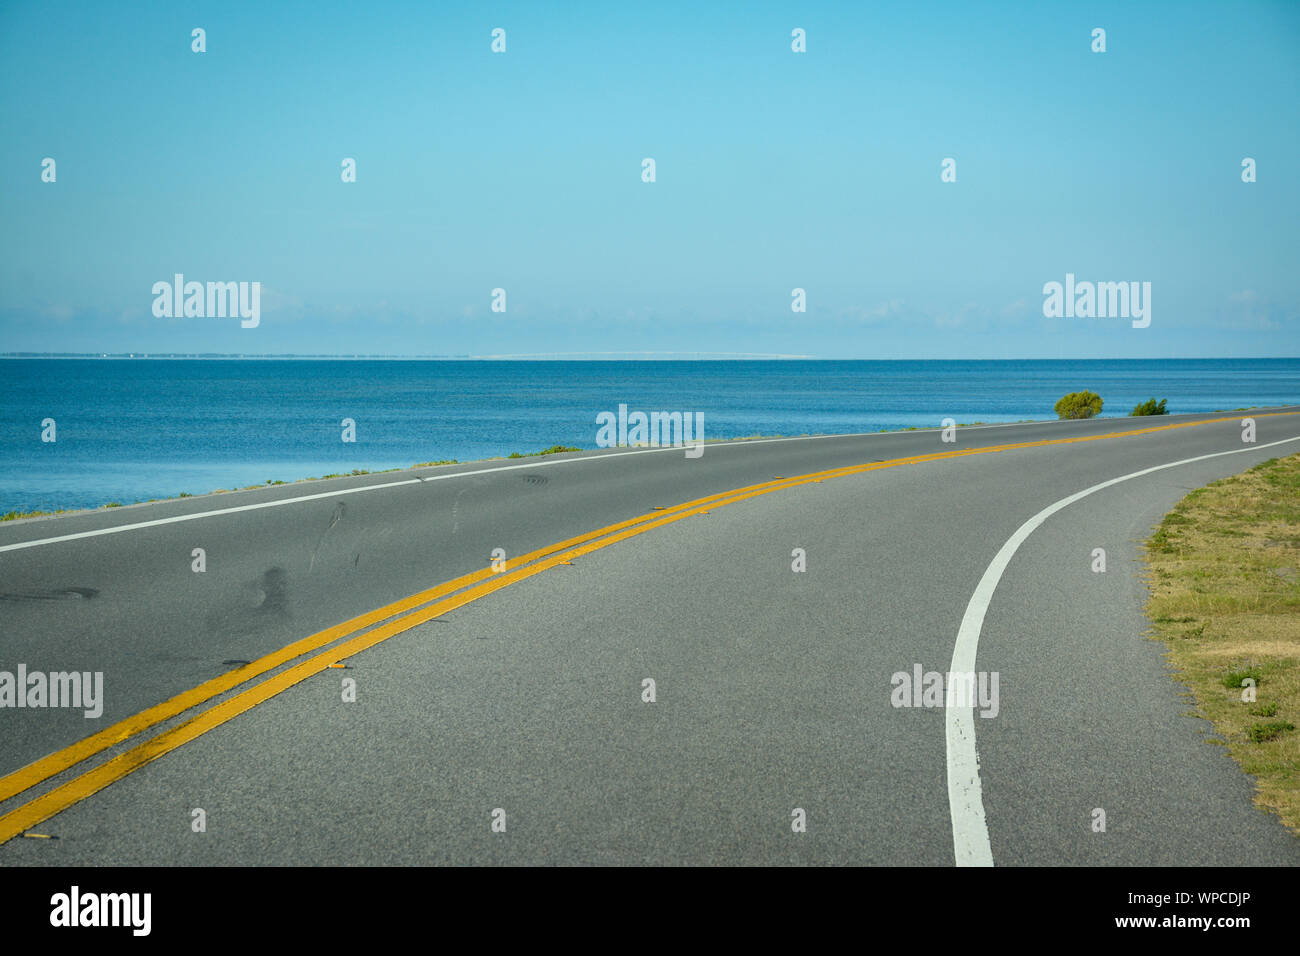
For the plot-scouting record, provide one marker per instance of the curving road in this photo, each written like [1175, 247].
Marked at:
[518, 696]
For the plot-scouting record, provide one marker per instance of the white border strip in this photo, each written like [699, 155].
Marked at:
[970, 832]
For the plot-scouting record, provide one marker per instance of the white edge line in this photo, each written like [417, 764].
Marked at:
[970, 834]
[280, 502]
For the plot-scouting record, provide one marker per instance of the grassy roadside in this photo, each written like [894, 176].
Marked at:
[1224, 571]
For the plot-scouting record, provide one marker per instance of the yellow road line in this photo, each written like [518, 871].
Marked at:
[90, 782]
[40, 770]
[60, 798]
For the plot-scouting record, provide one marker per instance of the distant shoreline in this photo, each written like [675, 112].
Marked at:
[571, 357]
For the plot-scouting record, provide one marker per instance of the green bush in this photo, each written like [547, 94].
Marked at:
[1149, 407]
[1269, 731]
[1233, 679]
[1079, 405]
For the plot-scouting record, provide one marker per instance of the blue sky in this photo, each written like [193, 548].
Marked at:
[775, 170]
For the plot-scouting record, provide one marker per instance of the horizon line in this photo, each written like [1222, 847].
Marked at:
[605, 357]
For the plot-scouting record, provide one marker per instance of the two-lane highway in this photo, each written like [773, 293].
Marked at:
[525, 691]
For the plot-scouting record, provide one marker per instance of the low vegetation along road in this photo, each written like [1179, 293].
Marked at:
[737, 658]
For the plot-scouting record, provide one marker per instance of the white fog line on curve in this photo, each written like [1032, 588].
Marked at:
[970, 832]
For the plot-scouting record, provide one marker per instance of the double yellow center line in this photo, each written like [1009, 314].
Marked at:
[358, 634]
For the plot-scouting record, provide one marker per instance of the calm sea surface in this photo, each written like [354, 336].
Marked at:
[129, 430]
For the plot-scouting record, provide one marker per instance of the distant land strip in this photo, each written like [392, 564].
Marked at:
[359, 355]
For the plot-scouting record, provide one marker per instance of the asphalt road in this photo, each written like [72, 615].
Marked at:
[772, 688]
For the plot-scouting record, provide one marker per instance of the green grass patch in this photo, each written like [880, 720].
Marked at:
[1224, 573]
[1261, 733]
[18, 515]
[1234, 679]
[553, 450]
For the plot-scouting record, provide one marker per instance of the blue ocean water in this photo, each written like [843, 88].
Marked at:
[129, 430]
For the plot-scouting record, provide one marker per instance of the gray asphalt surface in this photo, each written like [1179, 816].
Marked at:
[773, 688]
